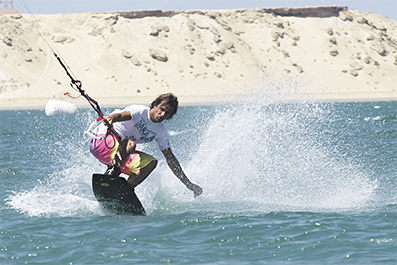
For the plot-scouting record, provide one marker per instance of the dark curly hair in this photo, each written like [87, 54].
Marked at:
[170, 100]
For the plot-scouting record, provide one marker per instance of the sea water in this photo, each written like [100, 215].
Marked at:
[284, 183]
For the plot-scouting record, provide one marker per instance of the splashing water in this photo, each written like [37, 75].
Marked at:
[265, 155]
[67, 191]
[277, 154]
[258, 156]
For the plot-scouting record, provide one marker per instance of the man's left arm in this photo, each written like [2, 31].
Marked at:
[176, 168]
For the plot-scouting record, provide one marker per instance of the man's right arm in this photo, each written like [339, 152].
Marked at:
[117, 117]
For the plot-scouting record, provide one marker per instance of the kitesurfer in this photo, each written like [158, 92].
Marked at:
[138, 124]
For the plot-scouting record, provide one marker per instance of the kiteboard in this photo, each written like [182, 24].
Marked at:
[116, 195]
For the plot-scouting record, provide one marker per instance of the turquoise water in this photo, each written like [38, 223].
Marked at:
[304, 183]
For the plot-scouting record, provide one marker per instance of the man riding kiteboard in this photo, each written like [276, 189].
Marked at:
[138, 124]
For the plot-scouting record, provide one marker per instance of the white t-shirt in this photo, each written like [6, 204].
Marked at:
[140, 128]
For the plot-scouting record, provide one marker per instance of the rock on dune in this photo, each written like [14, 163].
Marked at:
[158, 55]
[132, 56]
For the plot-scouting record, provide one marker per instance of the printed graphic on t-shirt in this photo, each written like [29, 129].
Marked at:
[146, 135]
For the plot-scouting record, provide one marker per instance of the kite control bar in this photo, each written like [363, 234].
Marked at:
[77, 85]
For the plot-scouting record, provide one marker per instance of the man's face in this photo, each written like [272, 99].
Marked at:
[160, 112]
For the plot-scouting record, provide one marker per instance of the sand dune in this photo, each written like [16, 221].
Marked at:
[327, 53]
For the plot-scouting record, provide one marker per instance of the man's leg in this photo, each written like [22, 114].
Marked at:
[126, 148]
[139, 175]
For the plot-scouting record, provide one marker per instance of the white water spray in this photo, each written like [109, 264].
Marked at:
[259, 156]
[277, 154]
[264, 155]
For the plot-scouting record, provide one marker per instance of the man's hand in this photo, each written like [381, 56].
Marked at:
[116, 117]
[108, 121]
[196, 189]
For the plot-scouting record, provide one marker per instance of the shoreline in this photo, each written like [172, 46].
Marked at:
[203, 57]
[115, 102]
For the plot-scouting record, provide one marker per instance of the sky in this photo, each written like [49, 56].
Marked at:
[383, 7]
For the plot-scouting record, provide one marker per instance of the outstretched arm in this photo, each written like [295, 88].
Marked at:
[176, 168]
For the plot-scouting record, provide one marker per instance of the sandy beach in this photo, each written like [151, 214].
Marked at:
[204, 57]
